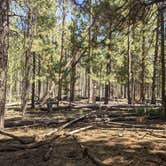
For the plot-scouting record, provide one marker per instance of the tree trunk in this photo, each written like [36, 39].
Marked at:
[108, 70]
[86, 84]
[155, 66]
[73, 64]
[4, 42]
[107, 93]
[121, 91]
[130, 89]
[91, 97]
[73, 78]
[163, 62]
[11, 88]
[142, 88]
[62, 51]
[33, 83]
[125, 95]
[27, 61]
[107, 85]
[39, 74]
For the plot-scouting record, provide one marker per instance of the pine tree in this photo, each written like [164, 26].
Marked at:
[4, 38]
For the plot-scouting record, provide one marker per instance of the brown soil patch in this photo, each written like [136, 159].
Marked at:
[111, 143]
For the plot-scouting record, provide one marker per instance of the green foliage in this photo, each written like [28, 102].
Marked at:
[109, 30]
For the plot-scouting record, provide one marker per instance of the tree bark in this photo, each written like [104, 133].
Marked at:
[33, 83]
[91, 97]
[130, 91]
[107, 85]
[108, 70]
[155, 66]
[142, 88]
[62, 50]
[4, 42]
[73, 61]
[39, 74]
[27, 61]
[73, 79]
[163, 70]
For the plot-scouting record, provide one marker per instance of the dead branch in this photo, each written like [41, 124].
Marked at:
[136, 126]
[31, 123]
[22, 141]
[16, 147]
[47, 156]
[46, 138]
[156, 135]
[79, 130]
[87, 153]
[135, 129]
[67, 124]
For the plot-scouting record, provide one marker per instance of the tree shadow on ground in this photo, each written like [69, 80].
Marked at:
[113, 149]
[110, 150]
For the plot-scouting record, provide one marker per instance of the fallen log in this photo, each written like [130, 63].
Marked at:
[16, 147]
[46, 138]
[69, 107]
[18, 123]
[76, 120]
[134, 129]
[132, 118]
[67, 124]
[135, 126]
[124, 119]
[21, 140]
[24, 127]
[157, 135]
[102, 107]
[57, 108]
[29, 123]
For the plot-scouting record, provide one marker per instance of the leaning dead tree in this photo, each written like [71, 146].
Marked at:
[4, 29]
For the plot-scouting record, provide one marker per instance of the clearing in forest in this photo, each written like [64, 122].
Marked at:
[109, 137]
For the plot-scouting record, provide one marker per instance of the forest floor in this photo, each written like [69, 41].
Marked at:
[114, 137]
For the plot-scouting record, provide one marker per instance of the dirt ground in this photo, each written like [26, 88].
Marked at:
[137, 142]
